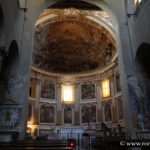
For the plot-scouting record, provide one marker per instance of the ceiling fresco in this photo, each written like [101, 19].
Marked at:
[72, 46]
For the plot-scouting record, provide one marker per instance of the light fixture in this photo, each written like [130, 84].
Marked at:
[67, 93]
[22, 5]
[137, 1]
[105, 88]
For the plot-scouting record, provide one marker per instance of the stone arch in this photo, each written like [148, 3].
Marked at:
[101, 4]
[142, 62]
[10, 81]
[11, 61]
[142, 58]
[40, 6]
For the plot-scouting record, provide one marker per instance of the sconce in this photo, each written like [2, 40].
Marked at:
[22, 5]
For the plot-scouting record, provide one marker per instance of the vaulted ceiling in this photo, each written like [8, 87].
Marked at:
[72, 44]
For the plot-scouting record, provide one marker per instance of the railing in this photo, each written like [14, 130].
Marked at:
[143, 134]
[84, 141]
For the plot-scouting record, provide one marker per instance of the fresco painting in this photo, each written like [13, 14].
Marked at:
[88, 113]
[11, 89]
[10, 118]
[47, 90]
[68, 115]
[47, 113]
[107, 111]
[87, 91]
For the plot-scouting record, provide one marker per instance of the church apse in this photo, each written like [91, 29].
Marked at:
[72, 49]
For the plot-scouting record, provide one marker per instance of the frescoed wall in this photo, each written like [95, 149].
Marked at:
[10, 118]
[47, 90]
[88, 113]
[11, 89]
[87, 91]
[88, 110]
[68, 115]
[47, 113]
[107, 109]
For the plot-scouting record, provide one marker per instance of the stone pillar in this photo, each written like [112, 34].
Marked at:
[24, 104]
[77, 118]
[77, 105]
[58, 96]
[36, 112]
[98, 99]
[59, 118]
[112, 89]
[126, 69]
[59, 106]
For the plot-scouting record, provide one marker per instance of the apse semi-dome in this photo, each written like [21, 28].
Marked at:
[72, 45]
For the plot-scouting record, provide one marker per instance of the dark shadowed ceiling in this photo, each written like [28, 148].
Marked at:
[76, 4]
[72, 46]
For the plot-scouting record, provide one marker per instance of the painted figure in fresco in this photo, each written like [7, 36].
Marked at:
[47, 90]
[88, 114]
[107, 110]
[11, 89]
[67, 115]
[87, 91]
[9, 118]
[47, 114]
